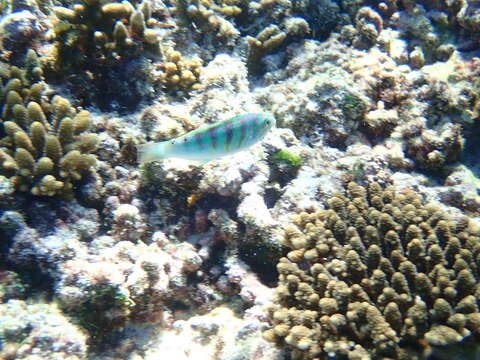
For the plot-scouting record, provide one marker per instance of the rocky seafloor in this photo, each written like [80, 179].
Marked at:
[351, 231]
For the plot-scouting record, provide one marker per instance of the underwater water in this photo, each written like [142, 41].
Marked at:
[239, 180]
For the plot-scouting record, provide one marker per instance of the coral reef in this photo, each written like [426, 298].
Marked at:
[314, 96]
[332, 94]
[45, 141]
[103, 294]
[378, 274]
[11, 286]
[183, 259]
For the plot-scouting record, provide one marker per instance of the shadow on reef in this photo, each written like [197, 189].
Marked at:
[464, 351]
[471, 152]
[19, 282]
[262, 258]
[121, 87]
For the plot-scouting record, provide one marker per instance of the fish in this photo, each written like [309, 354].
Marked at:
[211, 141]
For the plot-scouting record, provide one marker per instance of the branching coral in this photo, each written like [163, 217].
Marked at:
[214, 16]
[264, 43]
[44, 144]
[96, 32]
[108, 45]
[376, 275]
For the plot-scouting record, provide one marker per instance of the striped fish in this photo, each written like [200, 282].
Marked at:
[212, 141]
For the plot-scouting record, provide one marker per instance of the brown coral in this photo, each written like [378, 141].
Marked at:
[375, 275]
[44, 147]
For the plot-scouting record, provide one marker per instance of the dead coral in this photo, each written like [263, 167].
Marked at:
[432, 150]
[44, 143]
[369, 24]
[375, 275]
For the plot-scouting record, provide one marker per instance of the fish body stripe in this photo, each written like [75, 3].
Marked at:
[229, 134]
[212, 134]
[199, 140]
[243, 132]
[251, 131]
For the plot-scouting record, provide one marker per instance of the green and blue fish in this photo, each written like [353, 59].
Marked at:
[212, 141]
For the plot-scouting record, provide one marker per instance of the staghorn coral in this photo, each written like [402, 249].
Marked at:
[44, 144]
[369, 24]
[376, 275]
[264, 43]
[272, 38]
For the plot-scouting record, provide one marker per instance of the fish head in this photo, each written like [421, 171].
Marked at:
[268, 122]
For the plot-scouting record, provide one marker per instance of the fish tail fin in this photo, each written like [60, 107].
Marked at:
[151, 152]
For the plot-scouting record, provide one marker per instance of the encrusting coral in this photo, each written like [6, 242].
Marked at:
[377, 275]
[44, 143]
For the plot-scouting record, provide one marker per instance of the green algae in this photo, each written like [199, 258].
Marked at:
[285, 157]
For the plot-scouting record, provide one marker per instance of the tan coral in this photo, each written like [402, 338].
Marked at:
[391, 274]
[45, 147]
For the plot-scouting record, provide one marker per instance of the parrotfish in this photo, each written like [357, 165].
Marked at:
[212, 141]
